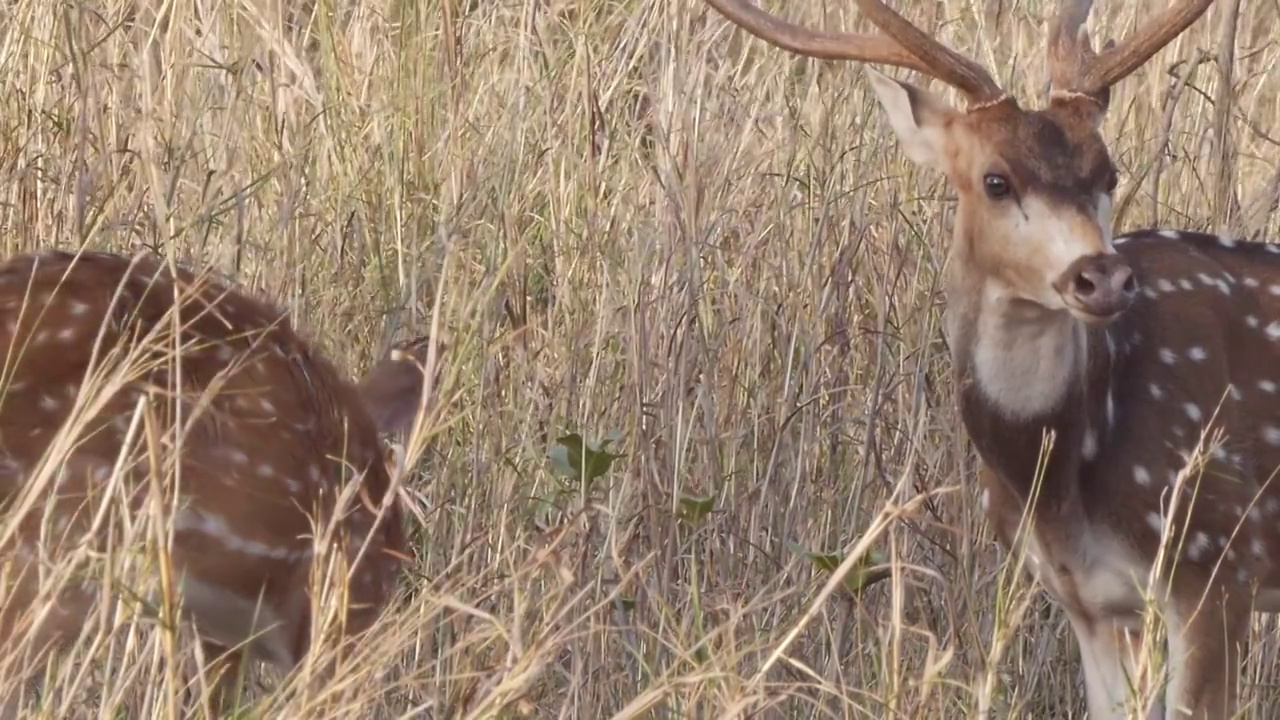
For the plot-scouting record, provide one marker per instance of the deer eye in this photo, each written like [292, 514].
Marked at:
[997, 186]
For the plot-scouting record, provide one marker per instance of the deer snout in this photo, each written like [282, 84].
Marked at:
[1098, 286]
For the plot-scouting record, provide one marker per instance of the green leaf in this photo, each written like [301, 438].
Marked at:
[559, 456]
[869, 570]
[574, 458]
[693, 509]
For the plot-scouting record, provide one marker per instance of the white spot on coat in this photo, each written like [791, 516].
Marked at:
[1155, 521]
[217, 528]
[1089, 447]
[1198, 546]
[1271, 434]
[1141, 475]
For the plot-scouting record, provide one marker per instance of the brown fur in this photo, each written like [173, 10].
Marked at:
[260, 435]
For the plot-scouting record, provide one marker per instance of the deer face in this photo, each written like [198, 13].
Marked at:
[1035, 192]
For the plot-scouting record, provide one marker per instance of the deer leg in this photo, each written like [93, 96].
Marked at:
[36, 625]
[224, 671]
[1206, 635]
[1109, 654]
[10, 706]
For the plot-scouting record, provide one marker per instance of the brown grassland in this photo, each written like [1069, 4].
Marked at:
[634, 221]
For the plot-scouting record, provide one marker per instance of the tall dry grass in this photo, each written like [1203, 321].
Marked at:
[639, 221]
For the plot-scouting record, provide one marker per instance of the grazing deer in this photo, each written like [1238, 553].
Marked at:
[107, 361]
[1123, 351]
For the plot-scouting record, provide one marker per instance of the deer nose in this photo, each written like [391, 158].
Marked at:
[1100, 286]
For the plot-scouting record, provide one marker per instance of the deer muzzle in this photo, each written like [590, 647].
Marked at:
[1098, 287]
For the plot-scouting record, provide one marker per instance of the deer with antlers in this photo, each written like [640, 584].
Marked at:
[1090, 367]
[122, 376]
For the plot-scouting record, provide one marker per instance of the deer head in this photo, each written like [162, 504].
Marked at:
[1034, 187]
[1032, 234]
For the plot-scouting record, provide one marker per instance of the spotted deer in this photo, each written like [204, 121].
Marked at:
[119, 375]
[1118, 354]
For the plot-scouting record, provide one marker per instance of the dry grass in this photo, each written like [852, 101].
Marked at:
[638, 220]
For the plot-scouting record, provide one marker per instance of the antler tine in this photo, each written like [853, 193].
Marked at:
[906, 45]
[1088, 73]
[944, 63]
[1070, 51]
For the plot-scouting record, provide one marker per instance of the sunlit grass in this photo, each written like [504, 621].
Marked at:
[638, 220]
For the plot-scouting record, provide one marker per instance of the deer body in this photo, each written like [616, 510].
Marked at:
[261, 436]
[1197, 352]
[1122, 352]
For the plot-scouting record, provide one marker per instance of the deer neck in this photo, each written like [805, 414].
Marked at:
[1034, 387]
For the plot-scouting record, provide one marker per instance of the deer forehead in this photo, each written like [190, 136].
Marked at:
[1049, 153]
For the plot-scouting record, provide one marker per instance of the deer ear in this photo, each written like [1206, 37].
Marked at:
[918, 117]
[392, 390]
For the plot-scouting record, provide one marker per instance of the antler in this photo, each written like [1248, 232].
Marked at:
[905, 46]
[1075, 67]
